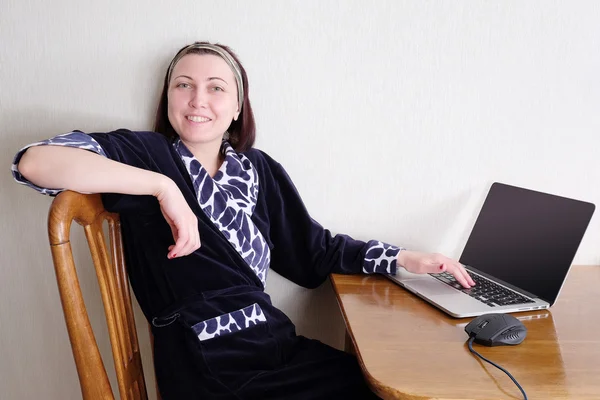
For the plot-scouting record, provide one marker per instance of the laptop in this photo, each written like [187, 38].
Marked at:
[519, 254]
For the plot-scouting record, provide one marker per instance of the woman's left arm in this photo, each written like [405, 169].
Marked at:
[306, 253]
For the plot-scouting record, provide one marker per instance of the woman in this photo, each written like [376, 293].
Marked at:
[204, 216]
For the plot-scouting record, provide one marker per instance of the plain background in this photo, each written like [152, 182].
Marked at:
[392, 117]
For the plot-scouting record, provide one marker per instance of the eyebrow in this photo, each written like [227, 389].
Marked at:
[216, 77]
[209, 79]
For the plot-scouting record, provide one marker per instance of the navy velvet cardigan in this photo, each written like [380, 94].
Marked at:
[213, 289]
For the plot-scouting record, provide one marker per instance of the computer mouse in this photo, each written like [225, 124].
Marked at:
[496, 330]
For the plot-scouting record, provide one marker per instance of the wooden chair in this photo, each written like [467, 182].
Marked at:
[88, 211]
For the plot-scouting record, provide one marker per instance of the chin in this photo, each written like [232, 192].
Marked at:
[201, 139]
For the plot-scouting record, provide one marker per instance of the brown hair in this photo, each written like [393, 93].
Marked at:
[242, 132]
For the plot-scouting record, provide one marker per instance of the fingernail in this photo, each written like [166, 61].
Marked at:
[442, 266]
[174, 255]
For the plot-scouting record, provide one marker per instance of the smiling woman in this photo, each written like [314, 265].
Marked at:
[241, 132]
[197, 178]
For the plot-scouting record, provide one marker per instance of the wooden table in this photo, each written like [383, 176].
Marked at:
[410, 350]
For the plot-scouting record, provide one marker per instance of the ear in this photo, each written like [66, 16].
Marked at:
[236, 115]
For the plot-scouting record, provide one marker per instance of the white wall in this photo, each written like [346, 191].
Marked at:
[392, 118]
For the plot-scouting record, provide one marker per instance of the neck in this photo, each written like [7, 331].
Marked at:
[208, 154]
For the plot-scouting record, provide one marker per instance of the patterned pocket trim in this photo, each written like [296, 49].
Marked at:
[234, 321]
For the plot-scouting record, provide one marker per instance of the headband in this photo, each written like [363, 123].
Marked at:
[235, 68]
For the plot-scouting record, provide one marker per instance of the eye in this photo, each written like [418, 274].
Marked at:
[217, 89]
[183, 85]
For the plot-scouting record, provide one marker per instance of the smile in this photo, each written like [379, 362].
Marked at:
[196, 118]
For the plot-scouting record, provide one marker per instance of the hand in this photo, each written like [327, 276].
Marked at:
[425, 263]
[181, 219]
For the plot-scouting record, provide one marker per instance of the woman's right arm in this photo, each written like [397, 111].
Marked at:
[83, 171]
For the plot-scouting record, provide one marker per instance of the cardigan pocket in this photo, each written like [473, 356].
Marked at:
[226, 324]
[233, 346]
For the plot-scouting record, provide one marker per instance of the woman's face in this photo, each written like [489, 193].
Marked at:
[202, 98]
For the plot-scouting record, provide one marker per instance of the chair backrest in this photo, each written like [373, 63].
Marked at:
[88, 211]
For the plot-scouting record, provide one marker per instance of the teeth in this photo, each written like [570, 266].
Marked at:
[194, 118]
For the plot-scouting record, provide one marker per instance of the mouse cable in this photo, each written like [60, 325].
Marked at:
[470, 343]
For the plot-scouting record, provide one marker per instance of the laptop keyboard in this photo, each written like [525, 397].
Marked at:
[485, 290]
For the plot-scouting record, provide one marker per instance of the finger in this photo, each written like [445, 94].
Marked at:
[194, 241]
[192, 244]
[180, 244]
[465, 274]
[188, 249]
[458, 275]
[175, 238]
[175, 249]
[196, 236]
[466, 279]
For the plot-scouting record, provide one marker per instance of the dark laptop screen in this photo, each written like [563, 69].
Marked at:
[527, 238]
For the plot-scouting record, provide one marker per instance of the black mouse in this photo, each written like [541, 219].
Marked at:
[496, 330]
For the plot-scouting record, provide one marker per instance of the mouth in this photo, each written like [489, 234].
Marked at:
[197, 118]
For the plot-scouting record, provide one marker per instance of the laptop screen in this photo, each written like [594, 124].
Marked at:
[527, 238]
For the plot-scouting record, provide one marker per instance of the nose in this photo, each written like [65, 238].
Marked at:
[198, 99]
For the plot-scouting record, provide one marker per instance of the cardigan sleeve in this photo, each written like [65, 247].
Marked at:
[305, 252]
[74, 139]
